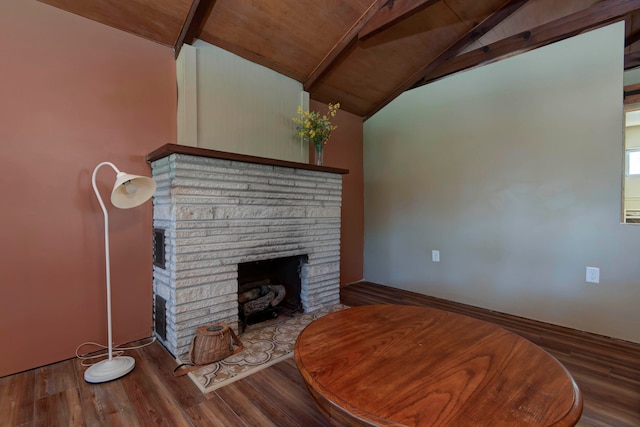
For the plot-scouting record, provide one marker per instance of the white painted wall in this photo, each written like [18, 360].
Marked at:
[632, 77]
[242, 107]
[514, 172]
[187, 84]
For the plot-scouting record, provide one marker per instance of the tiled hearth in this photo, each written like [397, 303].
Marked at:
[220, 209]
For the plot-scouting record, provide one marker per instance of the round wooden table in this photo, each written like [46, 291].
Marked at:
[392, 365]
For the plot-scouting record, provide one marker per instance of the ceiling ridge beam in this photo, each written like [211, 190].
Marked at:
[192, 26]
[632, 39]
[596, 16]
[631, 60]
[506, 10]
[631, 94]
[393, 12]
[331, 59]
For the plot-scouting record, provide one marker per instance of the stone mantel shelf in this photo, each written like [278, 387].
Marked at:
[168, 149]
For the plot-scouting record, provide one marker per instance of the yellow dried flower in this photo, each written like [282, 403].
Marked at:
[313, 127]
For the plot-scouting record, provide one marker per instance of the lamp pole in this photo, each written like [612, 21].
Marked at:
[128, 191]
[107, 257]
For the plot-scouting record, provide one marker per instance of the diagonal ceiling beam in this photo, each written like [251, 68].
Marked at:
[192, 27]
[632, 39]
[332, 58]
[393, 12]
[631, 60]
[598, 15]
[631, 94]
[472, 35]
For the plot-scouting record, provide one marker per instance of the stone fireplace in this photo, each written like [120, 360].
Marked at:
[213, 211]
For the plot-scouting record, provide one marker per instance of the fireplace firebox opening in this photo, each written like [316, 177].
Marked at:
[269, 288]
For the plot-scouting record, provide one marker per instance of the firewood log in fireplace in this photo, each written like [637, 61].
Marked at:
[259, 304]
[249, 295]
[255, 284]
[259, 296]
[280, 292]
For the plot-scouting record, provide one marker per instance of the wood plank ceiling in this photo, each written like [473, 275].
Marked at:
[364, 53]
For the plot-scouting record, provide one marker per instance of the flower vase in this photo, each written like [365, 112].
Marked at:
[319, 150]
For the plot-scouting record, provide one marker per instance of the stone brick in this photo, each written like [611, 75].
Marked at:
[209, 290]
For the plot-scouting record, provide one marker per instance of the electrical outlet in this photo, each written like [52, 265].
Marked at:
[593, 275]
[435, 256]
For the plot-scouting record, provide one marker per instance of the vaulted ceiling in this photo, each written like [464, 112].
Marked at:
[364, 53]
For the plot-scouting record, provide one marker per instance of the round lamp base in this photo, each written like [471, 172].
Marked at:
[108, 370]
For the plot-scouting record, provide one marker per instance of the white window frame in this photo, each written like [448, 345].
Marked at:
[632, 155]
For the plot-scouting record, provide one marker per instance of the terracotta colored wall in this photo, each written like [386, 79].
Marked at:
[73, 93]
[344, 150]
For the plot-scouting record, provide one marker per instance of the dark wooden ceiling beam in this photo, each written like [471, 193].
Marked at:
[192, 27]
[332, 58]
[632, 60]
[393, 12]
[598, 15]
[631, 94]
[632, 39]
[472, 35]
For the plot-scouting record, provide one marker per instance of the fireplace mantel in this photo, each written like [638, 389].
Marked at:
[168, 149]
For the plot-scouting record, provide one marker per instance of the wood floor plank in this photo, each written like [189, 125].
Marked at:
[161, 363]
[240, 398]
[106, 403]
[55, 378]
[254, 407]
[293, 398]
[17, 395]
[60, 409]
[142, 386]
[604, 414]
[213, 412]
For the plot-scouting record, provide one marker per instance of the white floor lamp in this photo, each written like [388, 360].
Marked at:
[129, 191]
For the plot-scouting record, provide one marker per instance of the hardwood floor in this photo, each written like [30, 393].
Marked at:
[607, 371]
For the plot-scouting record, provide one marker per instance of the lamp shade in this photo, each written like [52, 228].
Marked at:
[130, 191]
